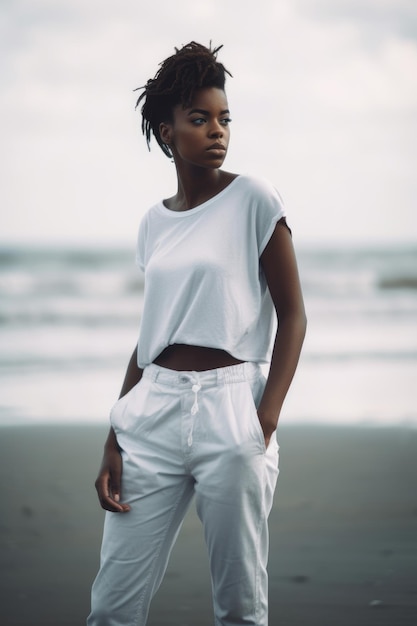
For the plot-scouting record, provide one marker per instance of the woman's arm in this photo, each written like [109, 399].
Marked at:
[280, 268]
[109, 477]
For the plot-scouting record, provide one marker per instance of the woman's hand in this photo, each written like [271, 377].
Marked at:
[108, 481]
[268, 424]
[109, 478]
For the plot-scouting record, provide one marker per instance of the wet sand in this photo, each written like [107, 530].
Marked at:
[343, 531]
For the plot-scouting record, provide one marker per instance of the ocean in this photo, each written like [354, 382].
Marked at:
[69, 320]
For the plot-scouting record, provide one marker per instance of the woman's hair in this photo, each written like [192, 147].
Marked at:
[191, 68]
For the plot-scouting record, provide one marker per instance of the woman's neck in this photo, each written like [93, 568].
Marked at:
[198, 186]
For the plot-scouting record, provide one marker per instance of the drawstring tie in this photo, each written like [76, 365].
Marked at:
[194, 409]
[195, 388]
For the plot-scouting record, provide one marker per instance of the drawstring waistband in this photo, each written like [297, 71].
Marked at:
[223, 375]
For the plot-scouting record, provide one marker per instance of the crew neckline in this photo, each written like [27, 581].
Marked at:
[200, 207]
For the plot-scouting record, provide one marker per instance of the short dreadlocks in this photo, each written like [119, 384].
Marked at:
[191, 68]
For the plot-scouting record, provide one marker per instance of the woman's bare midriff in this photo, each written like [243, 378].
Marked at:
[181, 357]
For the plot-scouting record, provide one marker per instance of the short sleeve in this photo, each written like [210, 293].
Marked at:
[269, 211]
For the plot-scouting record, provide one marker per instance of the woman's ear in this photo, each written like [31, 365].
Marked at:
[165, 132]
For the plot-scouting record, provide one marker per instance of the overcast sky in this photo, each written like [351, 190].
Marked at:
[323, 101]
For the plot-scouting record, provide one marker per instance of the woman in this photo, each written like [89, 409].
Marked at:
[195, 415]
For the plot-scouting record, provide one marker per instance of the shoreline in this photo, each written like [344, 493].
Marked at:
[343, 530]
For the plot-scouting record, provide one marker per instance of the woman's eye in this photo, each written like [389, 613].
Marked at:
[199, 121]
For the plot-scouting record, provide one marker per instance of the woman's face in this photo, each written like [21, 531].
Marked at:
[199, 135]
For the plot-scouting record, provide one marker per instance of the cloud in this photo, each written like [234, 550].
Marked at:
[323, 101]
[377, 19]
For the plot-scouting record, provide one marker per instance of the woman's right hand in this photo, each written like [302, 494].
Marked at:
[108, 482]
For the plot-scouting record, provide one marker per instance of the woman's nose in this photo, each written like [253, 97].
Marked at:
[216, 130]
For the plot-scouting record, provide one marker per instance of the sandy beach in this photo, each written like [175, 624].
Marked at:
[343, 531]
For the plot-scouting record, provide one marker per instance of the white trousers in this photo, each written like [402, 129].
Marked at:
[185, 434]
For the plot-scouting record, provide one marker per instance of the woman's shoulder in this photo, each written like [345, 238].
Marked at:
[259, 190]
[263, 200]
[152, 211]
[256, 184]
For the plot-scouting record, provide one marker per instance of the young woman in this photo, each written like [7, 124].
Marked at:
[196, 416]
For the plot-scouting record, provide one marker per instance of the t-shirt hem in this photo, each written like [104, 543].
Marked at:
[269, 232]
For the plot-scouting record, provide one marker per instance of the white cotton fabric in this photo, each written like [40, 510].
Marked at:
[203, 282]
[170, 454]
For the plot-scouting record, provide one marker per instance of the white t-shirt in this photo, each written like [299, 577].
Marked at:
[203, 282]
